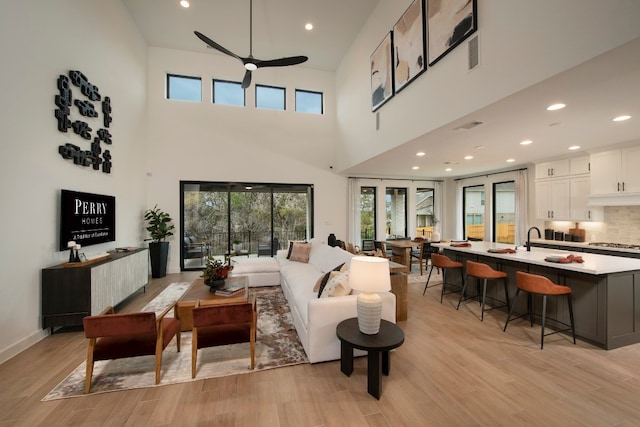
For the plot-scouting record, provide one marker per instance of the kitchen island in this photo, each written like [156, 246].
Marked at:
[606, 289]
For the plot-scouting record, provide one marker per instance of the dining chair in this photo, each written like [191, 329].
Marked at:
[423, 254]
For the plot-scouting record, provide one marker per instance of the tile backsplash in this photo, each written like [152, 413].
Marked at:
[621, 225]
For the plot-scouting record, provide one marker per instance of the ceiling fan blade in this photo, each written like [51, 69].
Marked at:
[215, 45]
[246, 82]
[281, 62]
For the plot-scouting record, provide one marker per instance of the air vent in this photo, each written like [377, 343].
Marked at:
[468, 125]
[473, 53]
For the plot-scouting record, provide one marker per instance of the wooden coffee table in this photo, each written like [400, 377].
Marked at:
[198, 291]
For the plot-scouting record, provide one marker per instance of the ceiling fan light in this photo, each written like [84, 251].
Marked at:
[250, 66]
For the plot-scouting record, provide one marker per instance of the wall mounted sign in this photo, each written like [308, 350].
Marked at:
[86, 218]
[71, 91]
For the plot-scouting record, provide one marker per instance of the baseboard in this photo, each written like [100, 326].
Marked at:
[20, 346]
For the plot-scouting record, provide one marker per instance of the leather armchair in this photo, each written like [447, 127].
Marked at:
[117, 336]
[224, 324]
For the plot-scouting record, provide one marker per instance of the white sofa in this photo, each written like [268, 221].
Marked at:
[316, 318]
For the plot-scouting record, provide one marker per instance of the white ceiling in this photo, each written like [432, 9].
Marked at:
[594, 92]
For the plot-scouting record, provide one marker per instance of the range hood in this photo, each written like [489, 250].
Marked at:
[620, 199]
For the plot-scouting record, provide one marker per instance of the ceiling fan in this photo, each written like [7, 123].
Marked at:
[250, 63]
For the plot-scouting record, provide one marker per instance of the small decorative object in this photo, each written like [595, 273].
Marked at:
[71, 245]
[215, 272]
[76, 257]
[369, 275]
[331, 240]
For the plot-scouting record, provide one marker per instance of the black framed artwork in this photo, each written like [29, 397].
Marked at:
[449, 23]
[409, 46]
[382, 73]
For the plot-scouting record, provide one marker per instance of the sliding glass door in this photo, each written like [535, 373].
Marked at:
[473, 207]
[241, 219]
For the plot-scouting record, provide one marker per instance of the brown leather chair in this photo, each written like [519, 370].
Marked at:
[444, 263]
[117, 336]
[483, 272]
[225, 324]
[540, 285]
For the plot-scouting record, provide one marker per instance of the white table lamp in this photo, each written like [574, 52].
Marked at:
[369, 275]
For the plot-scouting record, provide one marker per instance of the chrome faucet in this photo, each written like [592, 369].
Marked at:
[529, 237]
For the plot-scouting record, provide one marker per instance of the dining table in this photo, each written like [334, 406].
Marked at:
[402, 249]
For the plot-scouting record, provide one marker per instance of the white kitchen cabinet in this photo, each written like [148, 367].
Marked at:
[615, 172]
[552, 199]
[579, 165]
[554, 169]
[579, 192]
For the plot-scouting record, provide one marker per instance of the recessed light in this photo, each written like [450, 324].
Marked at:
[184, 3]
[526, 142]
[574, 147]
[308, 26]
[448, 170]
[420, 153]
[555, 107]
[468, 157]
[621, 118]
[511, 160]
[415, 168]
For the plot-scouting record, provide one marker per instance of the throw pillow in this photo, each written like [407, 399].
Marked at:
[291, 242]
[322, 280]
[300, 252]
[337, 286]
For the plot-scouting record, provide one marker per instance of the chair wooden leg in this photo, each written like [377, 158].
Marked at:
[194, 351]
[89, 370]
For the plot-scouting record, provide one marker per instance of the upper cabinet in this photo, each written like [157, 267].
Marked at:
[555, 169]
[563, 190]
[616, 173]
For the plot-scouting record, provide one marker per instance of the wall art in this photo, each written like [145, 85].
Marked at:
[382, 73]
[409, 46]
[449, 23]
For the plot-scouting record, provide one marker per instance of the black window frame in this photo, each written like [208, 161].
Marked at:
[213, 92]
[168, 85]
[284, 96]
[311, 92]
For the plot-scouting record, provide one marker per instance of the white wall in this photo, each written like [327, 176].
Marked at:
[40, 40]
[521, 42]
[210, 142]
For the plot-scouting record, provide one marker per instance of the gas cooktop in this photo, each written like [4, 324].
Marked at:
[615, 245]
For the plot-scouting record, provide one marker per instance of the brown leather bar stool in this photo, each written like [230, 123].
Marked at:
[483, 272]
[540, 285]
[445, 263]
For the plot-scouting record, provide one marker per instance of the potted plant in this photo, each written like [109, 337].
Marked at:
[159, 227]
[215, 272]
[237, 245]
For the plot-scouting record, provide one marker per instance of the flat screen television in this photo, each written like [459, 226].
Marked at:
[86, 218]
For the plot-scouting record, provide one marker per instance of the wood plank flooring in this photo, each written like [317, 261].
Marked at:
[452, 370]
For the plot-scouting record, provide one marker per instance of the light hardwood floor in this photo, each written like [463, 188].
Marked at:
[452, 370]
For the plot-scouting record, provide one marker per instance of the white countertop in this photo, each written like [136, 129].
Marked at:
[584, 245]
[593, 263]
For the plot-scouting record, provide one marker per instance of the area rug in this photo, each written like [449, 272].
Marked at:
[277, 345]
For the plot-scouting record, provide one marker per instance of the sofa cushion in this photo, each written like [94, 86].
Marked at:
[325, 258]
[337, 286]
[322, 280]
[300, 252]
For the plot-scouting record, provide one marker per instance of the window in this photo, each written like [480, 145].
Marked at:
[473, 206]
[309, 102]
[425, 217]
[504, 212]
[270, 97]
[396, 204]
[184, 88]
[367, 213]
[241, 219]
[228, 93]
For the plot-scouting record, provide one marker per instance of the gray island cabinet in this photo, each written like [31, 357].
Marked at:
[606, 289]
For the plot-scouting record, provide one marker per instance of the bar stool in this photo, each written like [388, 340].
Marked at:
[483, 272]
[445, 263]
[540, 285]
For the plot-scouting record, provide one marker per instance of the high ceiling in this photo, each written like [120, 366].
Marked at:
[594, 92]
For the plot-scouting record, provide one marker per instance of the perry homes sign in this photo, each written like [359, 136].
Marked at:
[87, 219]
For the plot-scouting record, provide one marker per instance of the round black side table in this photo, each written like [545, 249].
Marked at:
[377, 347]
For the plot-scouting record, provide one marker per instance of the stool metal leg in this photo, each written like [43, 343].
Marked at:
[573, 327]
[484, 295]
[544, 314]
[444, 282]
[513, 305]
[464, 287]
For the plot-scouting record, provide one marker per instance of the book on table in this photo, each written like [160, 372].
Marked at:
[230, 289]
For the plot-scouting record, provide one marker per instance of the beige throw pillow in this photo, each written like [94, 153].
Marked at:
[337, 286]
[300, 252]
